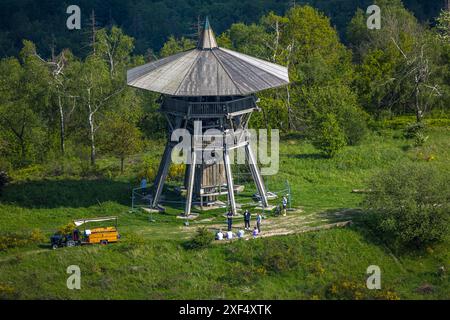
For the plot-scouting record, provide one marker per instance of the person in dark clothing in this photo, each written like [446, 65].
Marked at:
[247, 217]
[230, 220]
[76, 235]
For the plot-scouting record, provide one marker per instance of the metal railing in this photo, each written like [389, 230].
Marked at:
[141, 198]
[202, 109]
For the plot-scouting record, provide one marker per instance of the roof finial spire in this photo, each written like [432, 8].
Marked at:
[207, 25]
[207, 39]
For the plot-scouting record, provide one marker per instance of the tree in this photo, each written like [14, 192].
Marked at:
[173, 46]
[338, 100]
[417, 69]
[304, 41]
[95, 89]
[115, 48]
[396, 63]
[59, 88]
[442, 69]
[121, 137]
[24, 99]
[443, 26]
[329, 137]
[101, 78]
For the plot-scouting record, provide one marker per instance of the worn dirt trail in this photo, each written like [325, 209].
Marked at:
[295, 222]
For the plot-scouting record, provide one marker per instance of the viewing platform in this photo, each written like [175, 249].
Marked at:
[191, 109]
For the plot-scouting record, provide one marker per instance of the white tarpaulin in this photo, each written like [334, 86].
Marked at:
[81, 222]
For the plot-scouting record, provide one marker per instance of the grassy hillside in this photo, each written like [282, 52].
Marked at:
[151, 261]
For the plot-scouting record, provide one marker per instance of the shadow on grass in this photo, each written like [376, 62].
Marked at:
[66, 193]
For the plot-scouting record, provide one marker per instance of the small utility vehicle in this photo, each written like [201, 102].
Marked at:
[97, 235]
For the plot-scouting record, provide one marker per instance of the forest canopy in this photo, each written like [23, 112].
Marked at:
[74, 104]
[152, 22]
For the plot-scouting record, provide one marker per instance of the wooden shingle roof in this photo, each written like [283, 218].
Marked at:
[208, 70]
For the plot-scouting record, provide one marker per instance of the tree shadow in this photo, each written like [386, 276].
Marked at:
[66, 193]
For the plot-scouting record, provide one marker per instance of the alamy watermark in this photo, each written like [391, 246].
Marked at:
[209, 147]
[74, 280]
[373, 282]
[74, 20]
[374, 20]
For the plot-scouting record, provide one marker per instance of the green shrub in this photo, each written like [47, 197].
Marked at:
[420, 139]
[37, 236]
[67, 229]
[412, 129]
[8, 292]
[29, 173]
[356, 290]
[176, 172]
[147, 171]
[202, 239]
[16, 240]
[354, 124]
[410, 204]
[329, 138]
[12, 240]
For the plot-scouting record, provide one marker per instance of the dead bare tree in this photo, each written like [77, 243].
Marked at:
[417, 69]
[66, 102]
[281, 54]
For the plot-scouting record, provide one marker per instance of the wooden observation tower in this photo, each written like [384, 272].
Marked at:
[215, 87]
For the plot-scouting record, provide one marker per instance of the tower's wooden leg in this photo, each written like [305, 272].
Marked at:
[229, 175]
[162, 173]
[186, 176]
[256, 175]
[190, 185]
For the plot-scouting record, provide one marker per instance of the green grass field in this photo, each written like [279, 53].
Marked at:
[151, 261]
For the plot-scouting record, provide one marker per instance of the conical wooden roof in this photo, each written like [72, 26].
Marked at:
[208, 70]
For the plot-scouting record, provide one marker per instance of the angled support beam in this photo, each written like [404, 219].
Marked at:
[196, 152]
[256, 175]
[190, 183]
[165, 162]
[229, 175]
[162, 173]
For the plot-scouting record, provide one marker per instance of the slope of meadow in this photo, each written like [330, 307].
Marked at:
[151, 261]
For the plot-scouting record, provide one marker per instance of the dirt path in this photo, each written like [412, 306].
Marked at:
[294, 223]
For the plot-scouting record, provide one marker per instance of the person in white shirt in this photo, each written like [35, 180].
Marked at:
[241, 234]
[255, 232]
[219, 235]
[229, 235]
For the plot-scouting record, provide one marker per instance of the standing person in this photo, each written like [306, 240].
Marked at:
[258, 222]
[144, 183]
[144, 186]
[230, 220]
[247, 217]
[285, 201]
